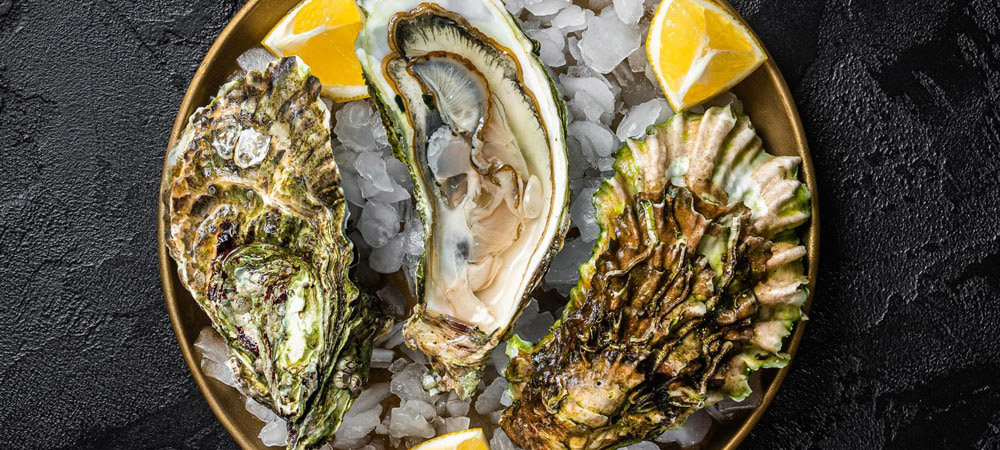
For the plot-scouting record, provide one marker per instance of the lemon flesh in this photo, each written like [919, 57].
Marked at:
[473, 439]
[698, 50]
[322, 33]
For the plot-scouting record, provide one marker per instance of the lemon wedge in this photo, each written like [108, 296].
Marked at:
[473, 439]
[322, 33]
[697, 50]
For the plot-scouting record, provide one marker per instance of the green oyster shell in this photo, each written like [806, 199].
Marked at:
[695, 279]
[256, 217]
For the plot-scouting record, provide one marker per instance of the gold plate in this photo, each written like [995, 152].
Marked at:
[766, 99]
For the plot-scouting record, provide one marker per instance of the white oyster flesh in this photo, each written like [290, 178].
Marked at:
[487, 143]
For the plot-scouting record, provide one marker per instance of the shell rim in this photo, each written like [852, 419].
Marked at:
[174, 294]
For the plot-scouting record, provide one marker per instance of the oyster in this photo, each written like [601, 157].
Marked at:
[695, 279]
[470, 109]
[256, 214]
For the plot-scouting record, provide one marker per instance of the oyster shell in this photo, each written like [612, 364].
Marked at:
[256, 217]
[471, 110]
[695, 279]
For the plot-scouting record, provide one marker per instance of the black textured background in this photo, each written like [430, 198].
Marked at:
[899, 99]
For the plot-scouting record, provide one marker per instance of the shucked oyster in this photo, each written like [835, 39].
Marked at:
[695, 279]
[473, 113]
[256, 214]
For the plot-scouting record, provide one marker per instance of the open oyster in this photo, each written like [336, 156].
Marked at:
[471, 110]
[256, 214]
[695, 279]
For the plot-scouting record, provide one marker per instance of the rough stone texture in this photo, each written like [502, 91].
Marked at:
[88, 91]
[898, 98]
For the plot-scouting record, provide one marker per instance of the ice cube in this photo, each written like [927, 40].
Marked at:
[457, 407]
[415, 355]
[350, 182]
[644, 445]
[431, 383]
[396, 194]
[546, 7]
[371, 167]
[579, 162]
[395, 340]
[552, 45]
[506, 399]
[354, 125]
[605, 164]
[368, 189]
[595, 139]
[357, 425]
[414, 232]
[426, 410]
[256, 58]
[389, 257]
[499, 357]
[489, 400]
[500, 441]
[260, 411]
[340, 443]
[398, 365]
[274, 434]
[378, 133]
[211, 345]
[565, 268]
[219, 371]
[629, 11]
[515, 6]
[588, 107]
[398, 172]
[379, 223]
[582, 212]
[452, 424]
[693, 432]
[393, 301]
[573, 46]
[387, 340]
[534, 328]
[373, 395]
[531, 309]
[642, 116]
[382, 358]
[607, 41]
[405, 422]
[408, 385]
[590, 97]
[570, 19]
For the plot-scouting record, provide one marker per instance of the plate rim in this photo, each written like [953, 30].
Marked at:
[171, 286]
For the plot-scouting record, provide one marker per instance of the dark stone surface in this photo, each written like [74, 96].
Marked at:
[898, 98]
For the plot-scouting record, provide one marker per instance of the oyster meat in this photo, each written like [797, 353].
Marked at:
[470, 109]
[256, 217]
[695, 279]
